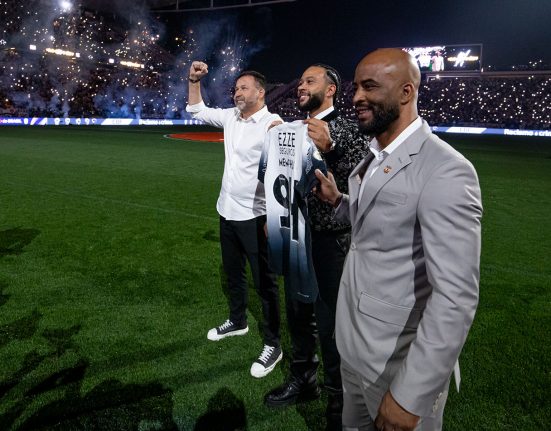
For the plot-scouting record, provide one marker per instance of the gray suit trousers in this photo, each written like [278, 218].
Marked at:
[362, 399]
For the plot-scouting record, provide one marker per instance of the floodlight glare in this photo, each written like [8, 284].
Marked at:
[65, 5]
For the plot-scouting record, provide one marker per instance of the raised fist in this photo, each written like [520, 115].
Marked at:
[198, 69]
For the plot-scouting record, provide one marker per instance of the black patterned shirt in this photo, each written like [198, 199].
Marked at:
[351, 147]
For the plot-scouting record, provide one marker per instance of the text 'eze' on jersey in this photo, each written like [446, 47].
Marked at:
[287, 167]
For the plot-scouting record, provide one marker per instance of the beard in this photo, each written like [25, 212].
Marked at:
[383, 116]
[240, 104]
[314, 102]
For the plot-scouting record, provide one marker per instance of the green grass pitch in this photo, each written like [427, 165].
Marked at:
[110, 278]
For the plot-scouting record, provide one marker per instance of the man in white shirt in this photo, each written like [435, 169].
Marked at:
[242, 208]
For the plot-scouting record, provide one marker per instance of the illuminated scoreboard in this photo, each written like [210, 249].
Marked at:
[447, 58]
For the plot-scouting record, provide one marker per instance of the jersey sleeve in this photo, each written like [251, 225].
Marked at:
[264, 157]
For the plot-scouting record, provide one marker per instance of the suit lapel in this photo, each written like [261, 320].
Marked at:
[354, 181]
[331, 116]
[394, 163]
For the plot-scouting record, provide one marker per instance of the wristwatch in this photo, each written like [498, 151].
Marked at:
[332, 147]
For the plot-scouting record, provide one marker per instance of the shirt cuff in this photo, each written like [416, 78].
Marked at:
[198, 107]
[340, 213]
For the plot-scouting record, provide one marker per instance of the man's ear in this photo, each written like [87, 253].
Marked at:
[408, 93]
[331, 90]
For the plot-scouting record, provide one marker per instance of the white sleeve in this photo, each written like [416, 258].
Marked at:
[213, 116]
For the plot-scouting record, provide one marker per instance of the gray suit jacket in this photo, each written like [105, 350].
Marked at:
[409, 288]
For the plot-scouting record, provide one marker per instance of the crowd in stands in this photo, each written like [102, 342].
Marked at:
[58, 63]
[37, 83]
[523, 103]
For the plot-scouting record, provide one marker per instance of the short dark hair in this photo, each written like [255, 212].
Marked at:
[258, 77]
[332, 76]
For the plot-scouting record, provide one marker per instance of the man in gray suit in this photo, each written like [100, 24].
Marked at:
[409, 289]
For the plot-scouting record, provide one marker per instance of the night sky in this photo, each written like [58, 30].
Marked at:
[290, 36]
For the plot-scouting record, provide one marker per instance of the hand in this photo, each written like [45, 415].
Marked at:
[327, 189]
[393, 417]
[275, 123]
[318, 131]
[198, 69]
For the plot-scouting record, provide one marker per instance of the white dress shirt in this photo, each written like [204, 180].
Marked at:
[324, 113]
[241, 195]
[381, 155]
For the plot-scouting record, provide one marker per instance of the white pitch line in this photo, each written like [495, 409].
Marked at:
[116, 201]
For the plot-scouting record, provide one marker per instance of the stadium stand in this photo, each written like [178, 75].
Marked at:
[35, 82]
[521, 102]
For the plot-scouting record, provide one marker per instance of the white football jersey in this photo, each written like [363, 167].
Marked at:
[287, 167]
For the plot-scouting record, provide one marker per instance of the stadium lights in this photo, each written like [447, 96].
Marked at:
[132, 64]
[60, 52]
[65, 5]
[32, 47]
[462, 57]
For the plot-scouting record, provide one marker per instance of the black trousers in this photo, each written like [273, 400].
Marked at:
[301, 324]
[241, 241]
[307, 322]
[329, 251]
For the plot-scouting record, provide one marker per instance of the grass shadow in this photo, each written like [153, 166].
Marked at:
[111, 405]
[20, 329]
[210, 235]
[225, 412]
[3, 298]
[13, 241]
[313, 413]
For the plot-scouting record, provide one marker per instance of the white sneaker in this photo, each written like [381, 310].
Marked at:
[267, 361]
[226, 329]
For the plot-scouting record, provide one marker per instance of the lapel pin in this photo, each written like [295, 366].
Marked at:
[387, 169]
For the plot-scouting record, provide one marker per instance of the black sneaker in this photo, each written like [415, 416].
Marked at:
[266, 362]
[226, 329]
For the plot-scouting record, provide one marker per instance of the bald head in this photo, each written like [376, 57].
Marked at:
[387, 83]
[397, 64]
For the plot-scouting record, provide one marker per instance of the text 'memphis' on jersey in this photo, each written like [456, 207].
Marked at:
[287, 165]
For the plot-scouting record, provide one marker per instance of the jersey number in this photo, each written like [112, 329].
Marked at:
[282, 183]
